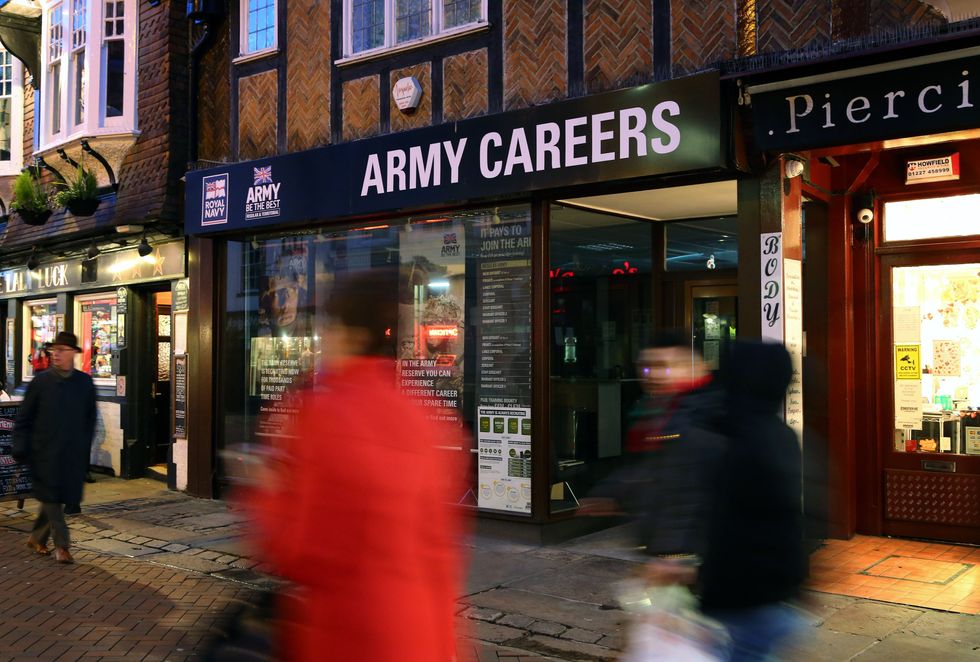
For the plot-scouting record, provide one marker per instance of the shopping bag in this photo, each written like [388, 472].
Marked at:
[666, 626]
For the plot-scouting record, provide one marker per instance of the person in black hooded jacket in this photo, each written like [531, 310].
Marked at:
[753, 560]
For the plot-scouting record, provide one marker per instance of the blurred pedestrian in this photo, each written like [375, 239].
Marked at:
[356, 509]
[753, 561]
[53, 434]
[671, 450]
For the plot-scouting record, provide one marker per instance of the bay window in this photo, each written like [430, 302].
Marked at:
[11, 114]
[373, 25]
[89, 85]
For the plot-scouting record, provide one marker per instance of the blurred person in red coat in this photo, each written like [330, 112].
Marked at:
[355, 509]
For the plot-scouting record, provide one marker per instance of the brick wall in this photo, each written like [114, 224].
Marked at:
[465, 91]
[308, 74]
[146, 172]
[257, 115]
[890, 15]
[785, 25]
[214, 99]
[618, 44]
[702, 34]
[361, 108]
[535, 53]
[423, 114]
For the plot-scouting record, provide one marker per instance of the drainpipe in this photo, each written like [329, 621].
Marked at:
[206, 13]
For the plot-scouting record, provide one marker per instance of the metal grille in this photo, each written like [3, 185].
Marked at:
[934, 498]
[460, 12]
[368, 24]
[261, 24]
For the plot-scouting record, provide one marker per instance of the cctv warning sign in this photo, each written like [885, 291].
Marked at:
[907, 364]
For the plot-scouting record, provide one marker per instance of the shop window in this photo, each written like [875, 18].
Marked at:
[704, 244]
[96, 328]
[258, 21]
[931, 218]
[600, 278]
[460, 292]
[41, 325]
[88, 86]
[11, 114]
[372, 25]
[936, 334]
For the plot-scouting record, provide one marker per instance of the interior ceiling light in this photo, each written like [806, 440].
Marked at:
[607, 246]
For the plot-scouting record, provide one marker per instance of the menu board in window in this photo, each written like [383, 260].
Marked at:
[98, 336]
[42, 323]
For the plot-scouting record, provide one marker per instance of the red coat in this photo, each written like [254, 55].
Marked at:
[361, 521]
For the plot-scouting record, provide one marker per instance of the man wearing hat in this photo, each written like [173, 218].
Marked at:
[53, 434]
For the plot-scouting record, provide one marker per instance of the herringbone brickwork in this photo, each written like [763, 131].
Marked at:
[464, 91]
[703, 33]
[618, 44]
[791, 24]
[308, 75]
[889, 15]
[423, 114]
[28, 120]
[257, 115]
[535, 53]
[214, 101]
[148, 175]
[361, 108]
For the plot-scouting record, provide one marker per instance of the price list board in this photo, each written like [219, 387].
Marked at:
[15, 479]
[504, 366]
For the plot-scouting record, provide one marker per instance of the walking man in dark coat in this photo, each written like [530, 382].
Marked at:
[53, 434]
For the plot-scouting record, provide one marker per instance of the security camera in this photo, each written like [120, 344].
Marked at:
[865, 215]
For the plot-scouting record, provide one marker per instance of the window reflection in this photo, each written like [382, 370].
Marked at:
[702, 244]
[600, 318]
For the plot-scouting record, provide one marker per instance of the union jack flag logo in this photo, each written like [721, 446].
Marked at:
[214, 189]
[262, 175]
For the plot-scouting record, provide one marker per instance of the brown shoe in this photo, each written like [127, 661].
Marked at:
[37, 547]
[61, 555]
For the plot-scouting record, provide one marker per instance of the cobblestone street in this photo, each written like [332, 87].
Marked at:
[156, 569]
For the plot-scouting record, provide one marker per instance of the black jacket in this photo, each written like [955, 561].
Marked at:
[53, 434]
[754, 553]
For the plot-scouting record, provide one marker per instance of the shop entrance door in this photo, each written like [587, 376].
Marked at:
[160, 403]
[711, 312]
[929, 395]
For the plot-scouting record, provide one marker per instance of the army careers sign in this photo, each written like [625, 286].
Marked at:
[660, 128]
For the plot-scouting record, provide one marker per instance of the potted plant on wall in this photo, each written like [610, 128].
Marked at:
[79, 194]
[31, 199]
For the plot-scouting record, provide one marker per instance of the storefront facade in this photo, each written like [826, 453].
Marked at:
[129, 322]
[890, 193]
[521, 298]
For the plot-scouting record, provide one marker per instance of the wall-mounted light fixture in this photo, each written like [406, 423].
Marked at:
[93, 251]
[33, 261]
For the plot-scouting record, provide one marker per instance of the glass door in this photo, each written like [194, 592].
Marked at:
[711, 314]
[931, 372]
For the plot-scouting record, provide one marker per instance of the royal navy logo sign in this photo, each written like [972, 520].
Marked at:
[214, 191]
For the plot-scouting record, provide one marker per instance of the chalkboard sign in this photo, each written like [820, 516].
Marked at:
[15, 479]
[180, 397]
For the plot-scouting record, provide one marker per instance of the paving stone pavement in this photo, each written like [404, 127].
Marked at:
[156, 569]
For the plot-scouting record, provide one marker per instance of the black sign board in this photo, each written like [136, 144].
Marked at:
[669, 127]
[912, 101]
[180, 396]
[15, 479]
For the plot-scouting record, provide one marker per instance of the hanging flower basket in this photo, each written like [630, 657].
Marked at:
[83, 207]
[32, 217]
